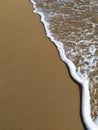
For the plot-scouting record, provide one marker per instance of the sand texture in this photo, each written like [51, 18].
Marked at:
[36, 91]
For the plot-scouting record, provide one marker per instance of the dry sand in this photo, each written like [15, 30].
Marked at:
[36, 91]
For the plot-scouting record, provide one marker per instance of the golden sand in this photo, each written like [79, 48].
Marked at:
[36, 91]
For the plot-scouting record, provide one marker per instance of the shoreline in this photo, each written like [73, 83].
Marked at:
[35, 84]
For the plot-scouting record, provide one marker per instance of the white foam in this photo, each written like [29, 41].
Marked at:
[86, 110]
[92, 49]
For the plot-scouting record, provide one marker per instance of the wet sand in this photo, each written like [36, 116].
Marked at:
[36, 91]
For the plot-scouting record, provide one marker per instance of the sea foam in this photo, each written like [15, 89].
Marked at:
[74, 32]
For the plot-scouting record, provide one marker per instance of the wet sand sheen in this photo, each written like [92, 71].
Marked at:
[36, 91]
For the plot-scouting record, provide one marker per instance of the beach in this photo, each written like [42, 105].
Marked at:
[36, 90]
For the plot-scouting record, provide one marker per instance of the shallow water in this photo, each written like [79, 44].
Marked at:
[75, 25]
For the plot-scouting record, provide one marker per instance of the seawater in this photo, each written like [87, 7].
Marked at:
[72, 25]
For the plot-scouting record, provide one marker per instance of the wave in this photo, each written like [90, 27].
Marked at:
[73, 27]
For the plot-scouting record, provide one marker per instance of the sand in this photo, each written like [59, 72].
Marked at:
[36, 91]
